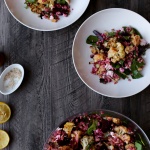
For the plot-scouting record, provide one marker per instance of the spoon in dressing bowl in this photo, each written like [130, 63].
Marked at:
[11, 78]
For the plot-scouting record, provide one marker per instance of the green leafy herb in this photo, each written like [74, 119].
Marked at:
[89, 146]
[26, 3]
[122, 75]
[61, 1]
[31, 1]
[92, 127]
[111, 34]
[134, 68]
[127, 71]
[125, 122]
[138, 146]
[141, 141]
[133, 31]
[137, 32]
[136, 74]
[92, 40]
[126, 38]
[116, 66]
[121, 62]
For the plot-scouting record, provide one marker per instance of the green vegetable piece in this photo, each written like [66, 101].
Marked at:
[89, 146]
[126, 37]
[133, 31]
[92, 40]
[115, 65]
[122, 75]
[140, 64]
[142, 142]
[61, 1]
[136, 74]
[137, 32]
[121, 62]
[127, 72]
[31, 1]
[134, 68]
[138, 146]
[111, 34]
[92, 127]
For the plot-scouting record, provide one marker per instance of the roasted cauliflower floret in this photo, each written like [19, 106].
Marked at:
[98, 57]
[129, 49]
[94, 49]
[110, 43]
[130, 146]
[135, 39]
[75, 138]
[101, 69]
[116, 121]
[109, 147]
[120, 130]
[51, 2]
[126, 138]
[76, 135]
[68, 127]
[65, 148]
[116, 53]
[86, 140]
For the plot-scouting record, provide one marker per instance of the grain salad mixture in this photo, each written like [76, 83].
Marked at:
[49, 9]
[94, 131]
[117, 54]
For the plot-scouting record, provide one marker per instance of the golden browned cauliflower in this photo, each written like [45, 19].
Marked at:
[101, 69]
[116, 53]
[98, 57]
[129, 49]
[94, 49]
[135, 39]
[68, 127]
[45, 1]
[85, 141]
[111, 43]
[65, 148]
[116, 121]
[120, 130]
[130, 146]
[109, 147]
[126, 138]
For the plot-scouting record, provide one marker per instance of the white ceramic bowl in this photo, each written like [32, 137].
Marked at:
[108, 19]
[6, 91]
[31, 20]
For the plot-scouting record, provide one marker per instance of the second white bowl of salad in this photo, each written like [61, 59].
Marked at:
[111, 53]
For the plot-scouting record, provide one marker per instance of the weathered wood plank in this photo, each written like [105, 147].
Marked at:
[52, 90]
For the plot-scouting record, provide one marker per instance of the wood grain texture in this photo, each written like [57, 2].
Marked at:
[51, 89]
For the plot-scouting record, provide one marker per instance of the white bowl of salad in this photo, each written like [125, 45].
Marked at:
[46, 15]
[111, 52]
[98, 130]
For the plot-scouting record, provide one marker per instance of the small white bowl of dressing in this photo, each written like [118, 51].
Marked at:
[11, 78]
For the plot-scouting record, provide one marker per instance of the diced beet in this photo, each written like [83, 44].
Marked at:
[106, 125]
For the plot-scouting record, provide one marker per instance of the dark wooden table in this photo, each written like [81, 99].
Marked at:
[51, 89]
